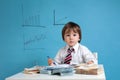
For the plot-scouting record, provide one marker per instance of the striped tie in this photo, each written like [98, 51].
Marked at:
[69, 56]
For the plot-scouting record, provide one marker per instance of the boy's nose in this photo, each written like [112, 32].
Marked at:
[71, 37]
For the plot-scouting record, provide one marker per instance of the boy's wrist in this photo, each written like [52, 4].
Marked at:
[90, 62]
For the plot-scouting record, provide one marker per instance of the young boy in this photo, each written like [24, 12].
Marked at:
[73, 52]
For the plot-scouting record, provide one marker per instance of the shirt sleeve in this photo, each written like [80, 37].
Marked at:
[88, 55]
[59, 56]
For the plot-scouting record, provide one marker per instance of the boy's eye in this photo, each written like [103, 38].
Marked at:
[74, 34]
[67, 35]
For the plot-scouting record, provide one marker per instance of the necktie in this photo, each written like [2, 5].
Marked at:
[68, 57]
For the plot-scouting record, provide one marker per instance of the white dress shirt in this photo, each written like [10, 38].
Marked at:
[81, 54]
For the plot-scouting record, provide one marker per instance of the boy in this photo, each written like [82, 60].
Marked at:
[73, 52]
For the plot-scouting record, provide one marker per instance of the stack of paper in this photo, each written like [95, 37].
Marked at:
[59, 70]
[91, 69]
[33, 70]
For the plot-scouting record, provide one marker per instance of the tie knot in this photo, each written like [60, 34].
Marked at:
[71, 50]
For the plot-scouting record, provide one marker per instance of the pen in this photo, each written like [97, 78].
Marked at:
[48, 57]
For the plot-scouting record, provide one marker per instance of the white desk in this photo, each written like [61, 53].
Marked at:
[22, 76]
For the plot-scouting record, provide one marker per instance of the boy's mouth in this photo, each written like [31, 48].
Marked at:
[71, 41]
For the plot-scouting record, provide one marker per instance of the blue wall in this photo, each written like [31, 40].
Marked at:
[31, 29]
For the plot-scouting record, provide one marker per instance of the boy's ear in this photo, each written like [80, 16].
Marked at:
[79, 41]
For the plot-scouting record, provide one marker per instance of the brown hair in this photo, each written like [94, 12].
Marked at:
[71, 26]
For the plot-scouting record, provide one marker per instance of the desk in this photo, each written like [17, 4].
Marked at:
[22, 76]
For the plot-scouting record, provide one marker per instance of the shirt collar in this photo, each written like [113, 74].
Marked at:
[75, 47]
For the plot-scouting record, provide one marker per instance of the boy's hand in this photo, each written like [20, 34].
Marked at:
[50, 61]
[90, 62]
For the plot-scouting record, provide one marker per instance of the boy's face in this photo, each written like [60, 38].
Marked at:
[71, 38]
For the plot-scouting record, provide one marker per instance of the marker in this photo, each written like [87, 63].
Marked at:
[48, 57]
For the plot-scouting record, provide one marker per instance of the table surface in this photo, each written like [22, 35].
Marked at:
[22, 76]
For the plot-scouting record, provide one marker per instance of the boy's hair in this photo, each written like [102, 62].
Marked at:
[71, 26]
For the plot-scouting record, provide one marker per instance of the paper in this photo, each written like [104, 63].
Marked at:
[63, 69]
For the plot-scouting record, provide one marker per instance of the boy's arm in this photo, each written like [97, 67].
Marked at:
[88, 56]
